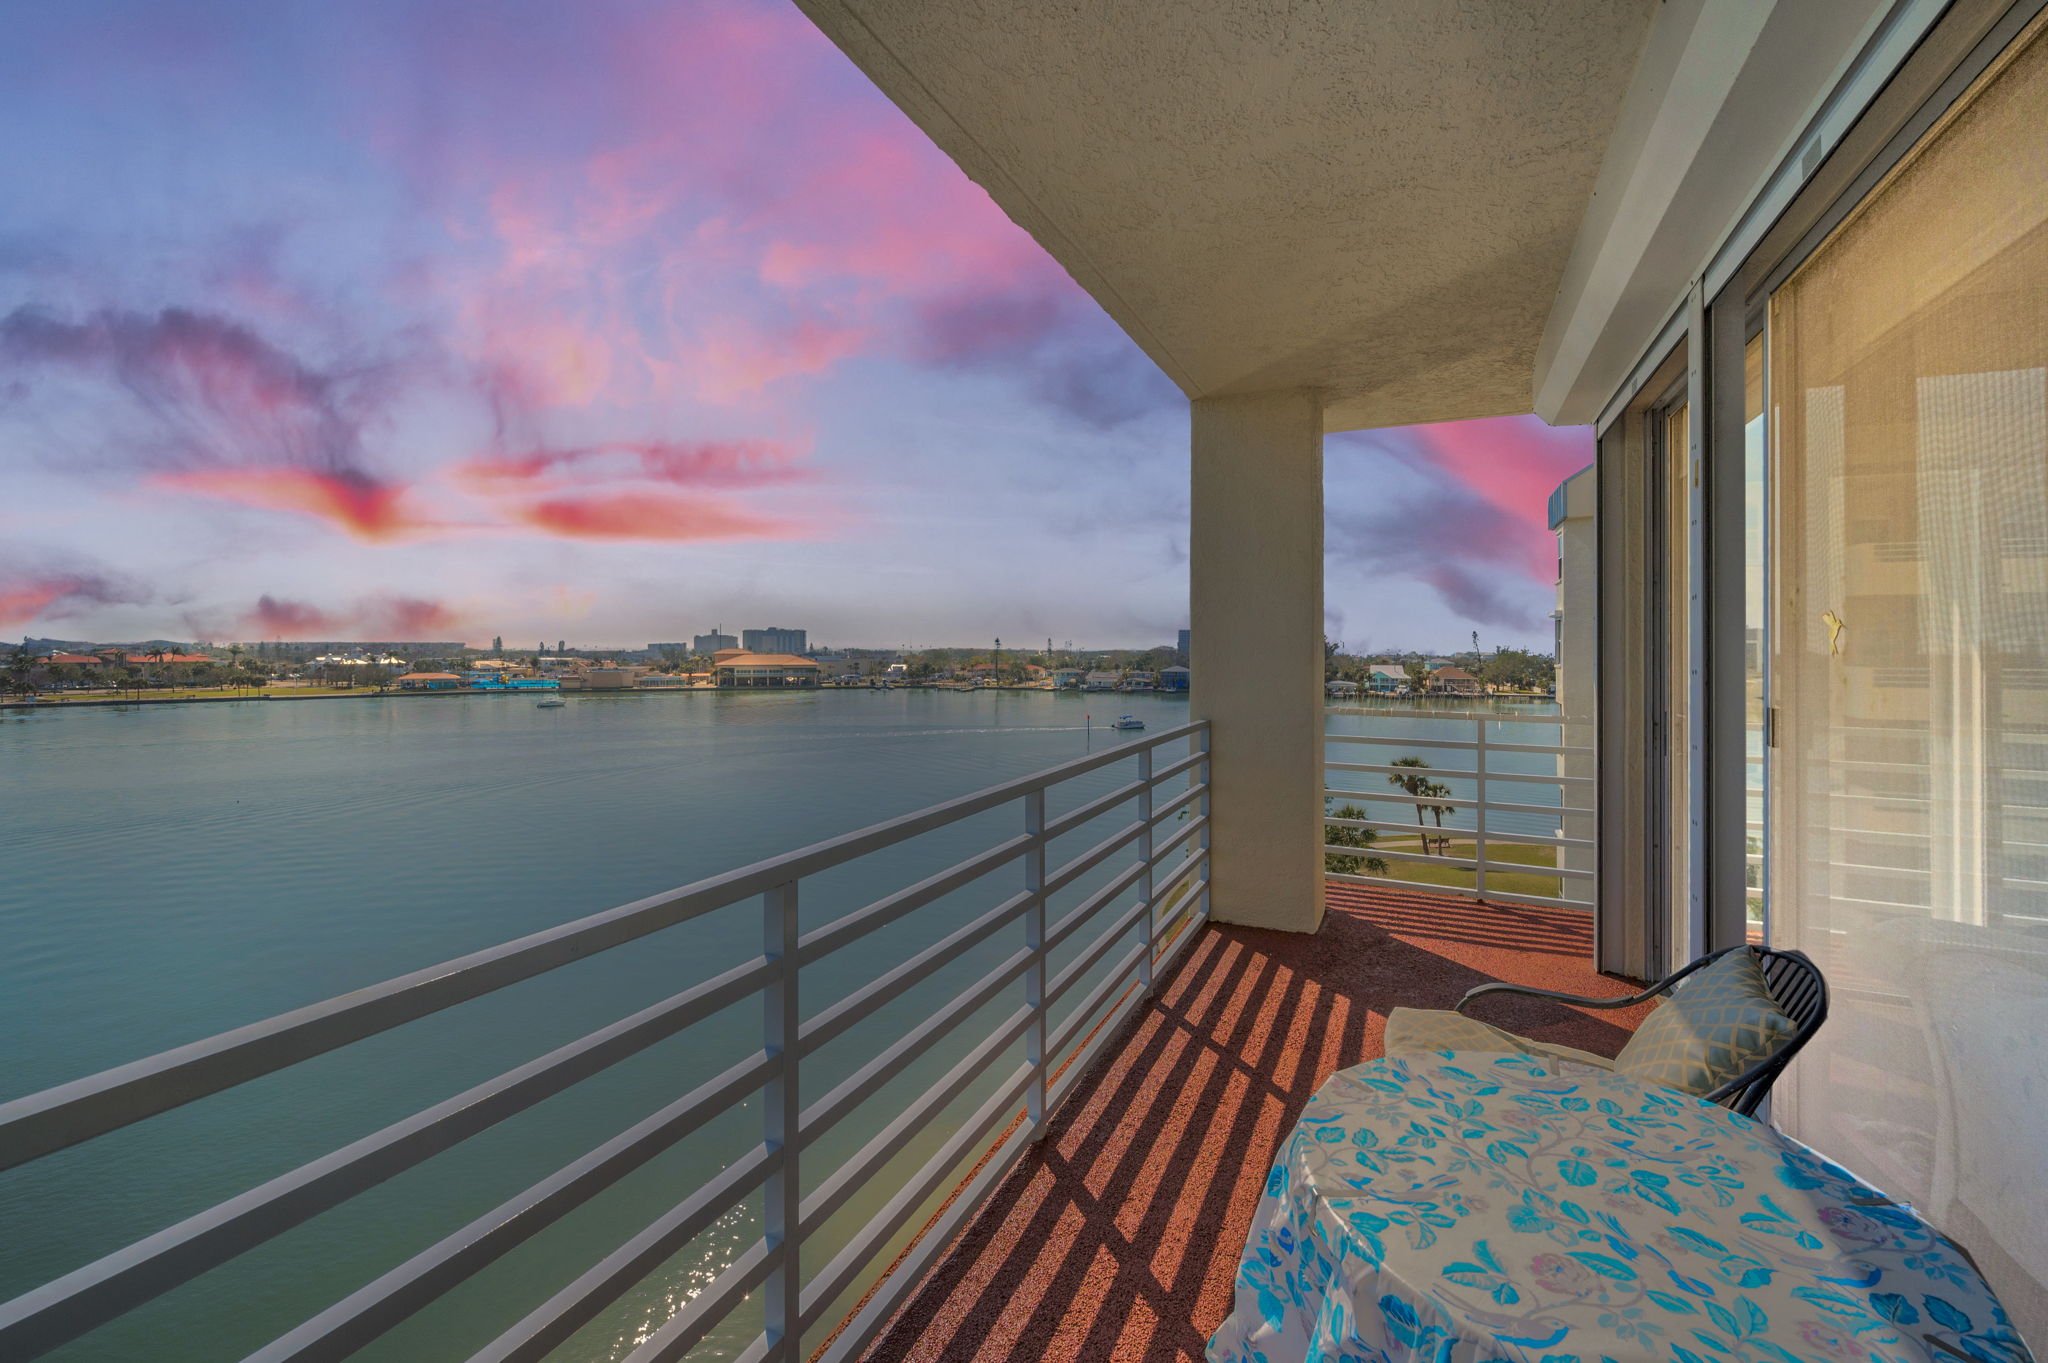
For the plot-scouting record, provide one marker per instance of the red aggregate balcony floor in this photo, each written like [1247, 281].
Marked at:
[1117, 1238]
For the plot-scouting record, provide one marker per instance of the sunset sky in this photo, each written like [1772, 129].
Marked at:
[606, 321]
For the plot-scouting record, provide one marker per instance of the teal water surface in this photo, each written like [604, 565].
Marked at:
[175, 870]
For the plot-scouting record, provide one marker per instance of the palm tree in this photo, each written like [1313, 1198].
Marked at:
[1422, 790]
[1337, 835]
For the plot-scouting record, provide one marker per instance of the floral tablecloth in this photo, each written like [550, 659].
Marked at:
[1461, 1207]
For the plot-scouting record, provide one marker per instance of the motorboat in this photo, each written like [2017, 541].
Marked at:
[1128, 722]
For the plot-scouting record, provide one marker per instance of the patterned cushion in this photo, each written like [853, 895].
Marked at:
[1434, 1029]
[1710, 1029]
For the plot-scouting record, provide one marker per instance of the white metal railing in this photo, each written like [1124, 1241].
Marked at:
[1168, 876]
[1471, 741]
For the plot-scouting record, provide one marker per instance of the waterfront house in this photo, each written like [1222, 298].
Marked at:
[428, 681]
[1454, 681]
[1384, 680]
[1780, 255]
[1173, 678]
[1099, 681]
[1138, 681]
[774, 670]
[1068, 678]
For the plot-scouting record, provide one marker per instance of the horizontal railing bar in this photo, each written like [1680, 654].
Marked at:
[1460, 892]
[1087, 861]
[1096, 950]
[1078, 1064]
[859, 1086]
[935, 1239]
[1176, 914]
[1093, 809]
[39, 1123]
[1177, 804]
[1185, 832]
[65, 1307]
[1468, 716]
[1567, 811]
[1180, 765]
[850, 1262]
[1459, 863]
[1403, 741]
[549, 1325]
[687, 1328]
[1388, 769]
[1452, 831]
[361, 1317]
[1467, 744]
[887, 1143]
[1163, 891]
[1117, 978]
[1089, 907]
[821, 941]
[1169, 934]
[880, 991]
[1397, 797]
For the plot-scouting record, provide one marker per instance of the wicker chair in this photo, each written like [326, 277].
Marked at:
[1795, 982]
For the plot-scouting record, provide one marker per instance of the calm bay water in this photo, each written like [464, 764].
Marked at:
[175, 870]
[172, 871]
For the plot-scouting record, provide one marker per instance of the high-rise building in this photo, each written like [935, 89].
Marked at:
[713, 642]
[774, 639]
[1181, 644]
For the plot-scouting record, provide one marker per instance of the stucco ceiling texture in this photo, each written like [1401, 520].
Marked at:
[1374, 198]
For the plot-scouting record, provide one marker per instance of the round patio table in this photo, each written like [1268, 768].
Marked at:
[1456, 1206]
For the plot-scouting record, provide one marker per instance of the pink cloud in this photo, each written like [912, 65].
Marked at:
[735, 359]
[1512, 463]
[26, 597]
[277, 618]
[700, 463]
[355, 503]
[378, 617]
[649, 516]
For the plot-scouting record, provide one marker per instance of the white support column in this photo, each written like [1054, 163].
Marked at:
[1255, 583]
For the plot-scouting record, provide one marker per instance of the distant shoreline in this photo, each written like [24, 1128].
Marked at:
[99, 701]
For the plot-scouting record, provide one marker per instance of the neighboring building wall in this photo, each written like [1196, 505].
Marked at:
[774, 639]
[1577, 618]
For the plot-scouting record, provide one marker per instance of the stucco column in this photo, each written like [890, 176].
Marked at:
[1255, 583]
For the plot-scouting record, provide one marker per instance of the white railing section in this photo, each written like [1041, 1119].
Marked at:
[1575, 790]
[1170, 876]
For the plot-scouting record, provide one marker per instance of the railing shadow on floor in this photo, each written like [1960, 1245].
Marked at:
[1117, 1237]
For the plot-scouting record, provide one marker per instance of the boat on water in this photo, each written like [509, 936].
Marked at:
[551, 703]
[1128, 722]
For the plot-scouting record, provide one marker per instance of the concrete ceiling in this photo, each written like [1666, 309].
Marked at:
[1373, 198]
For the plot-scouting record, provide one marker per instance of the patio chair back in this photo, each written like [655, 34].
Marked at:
[1802, 992]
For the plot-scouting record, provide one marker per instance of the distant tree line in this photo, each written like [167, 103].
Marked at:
[1508, 669]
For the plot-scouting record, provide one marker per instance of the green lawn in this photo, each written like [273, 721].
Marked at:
[1503, 882]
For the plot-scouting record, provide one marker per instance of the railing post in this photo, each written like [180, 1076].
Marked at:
[1145, 878]
[1034, 942]
[782, 1196]
[1479, 831]
[1200, 880]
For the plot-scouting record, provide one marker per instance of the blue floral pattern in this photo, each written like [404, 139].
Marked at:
[1468, 1208]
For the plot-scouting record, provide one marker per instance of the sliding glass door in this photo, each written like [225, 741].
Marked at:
[1908, 667]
